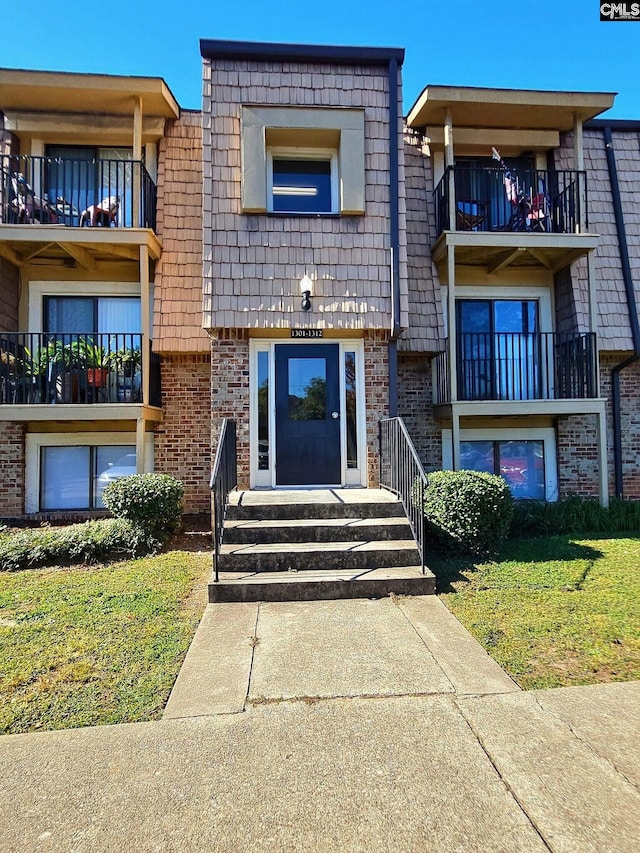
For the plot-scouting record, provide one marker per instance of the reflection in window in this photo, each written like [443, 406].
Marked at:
[263, 411]
[301, 186]
[521, 463]
[75, 477]
[307, 389]
[350, 408]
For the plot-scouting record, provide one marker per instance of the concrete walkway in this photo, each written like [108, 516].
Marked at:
[337, 726]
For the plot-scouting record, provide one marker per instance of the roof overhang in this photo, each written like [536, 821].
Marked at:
[274, 52]
[101, 94]
[521, 109]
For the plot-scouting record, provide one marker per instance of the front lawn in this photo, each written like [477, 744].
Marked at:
[553, 612]
[85, 646]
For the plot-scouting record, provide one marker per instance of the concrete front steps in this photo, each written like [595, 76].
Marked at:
[300, 545]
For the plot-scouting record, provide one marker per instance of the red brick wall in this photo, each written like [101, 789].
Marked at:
[376, 378]
[630, 422]
[577, 452]
[415, 408]
[230, 392]
[11, 469]
[183, 439]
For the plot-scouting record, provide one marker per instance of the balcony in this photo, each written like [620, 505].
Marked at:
[533, 200]
[80, 370]
[76, 193]
[519, 368]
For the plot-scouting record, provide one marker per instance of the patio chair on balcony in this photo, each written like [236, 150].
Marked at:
[470, 215]
[25, 206]
[103, 214]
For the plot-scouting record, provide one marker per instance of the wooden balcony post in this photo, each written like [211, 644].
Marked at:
[602, 458]
[145, 308]
[451, 320]
[137, 156]
[578, 150]
[448, 164]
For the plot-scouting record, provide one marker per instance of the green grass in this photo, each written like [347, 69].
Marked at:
[86, 646]
[553, 612]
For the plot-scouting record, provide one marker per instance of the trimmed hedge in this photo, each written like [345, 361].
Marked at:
[574, 514]
[152, 500]
[467, 512]
[91, 542]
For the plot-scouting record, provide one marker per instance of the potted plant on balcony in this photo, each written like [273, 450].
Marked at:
[98, 361]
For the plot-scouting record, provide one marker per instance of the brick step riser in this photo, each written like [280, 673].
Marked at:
[283, 561]
[320, 590]
[288, 512]
[262, 536]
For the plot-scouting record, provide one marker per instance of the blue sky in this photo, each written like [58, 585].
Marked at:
[543, 45]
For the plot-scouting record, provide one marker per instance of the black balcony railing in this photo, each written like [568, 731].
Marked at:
[54, 191]
[535, 200]
[73, 368]
[510, 366]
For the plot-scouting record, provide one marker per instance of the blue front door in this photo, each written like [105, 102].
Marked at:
[307, 398]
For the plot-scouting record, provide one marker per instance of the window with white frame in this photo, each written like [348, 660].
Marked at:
[70, 471]
[302, 181]
[525, 458]
[76, 477]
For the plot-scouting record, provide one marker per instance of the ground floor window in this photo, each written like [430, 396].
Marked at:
[521, 463]
[70, 470]
[75, 477]
[525, 457]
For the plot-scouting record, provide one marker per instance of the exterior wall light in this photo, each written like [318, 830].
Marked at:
[306, 289]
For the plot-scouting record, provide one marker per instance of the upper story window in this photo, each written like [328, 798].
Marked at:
[303, 160]
[302, 181]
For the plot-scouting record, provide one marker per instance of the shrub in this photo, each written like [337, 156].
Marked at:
[467, 512]
[91, 542]
[574, 514]
[152, 500]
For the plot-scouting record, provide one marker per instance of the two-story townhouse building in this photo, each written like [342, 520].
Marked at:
[79, 385]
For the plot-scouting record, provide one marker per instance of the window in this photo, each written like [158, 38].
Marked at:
[302, 183]
[303, 160]
[75, 477]
[521, 463]
[524, 456]
[104, 315]
[499, 349]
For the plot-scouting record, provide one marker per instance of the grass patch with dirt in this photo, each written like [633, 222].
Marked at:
[85, 646]
[553, 612]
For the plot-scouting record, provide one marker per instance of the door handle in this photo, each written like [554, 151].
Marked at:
[335, 415]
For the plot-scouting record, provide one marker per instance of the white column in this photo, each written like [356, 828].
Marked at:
[140, 442]
[602, 458]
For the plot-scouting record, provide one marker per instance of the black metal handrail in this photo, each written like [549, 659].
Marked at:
[224, 479]
[56, 191]
[401, 472]
[520, 366]
[536, 200]
[37, 367]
